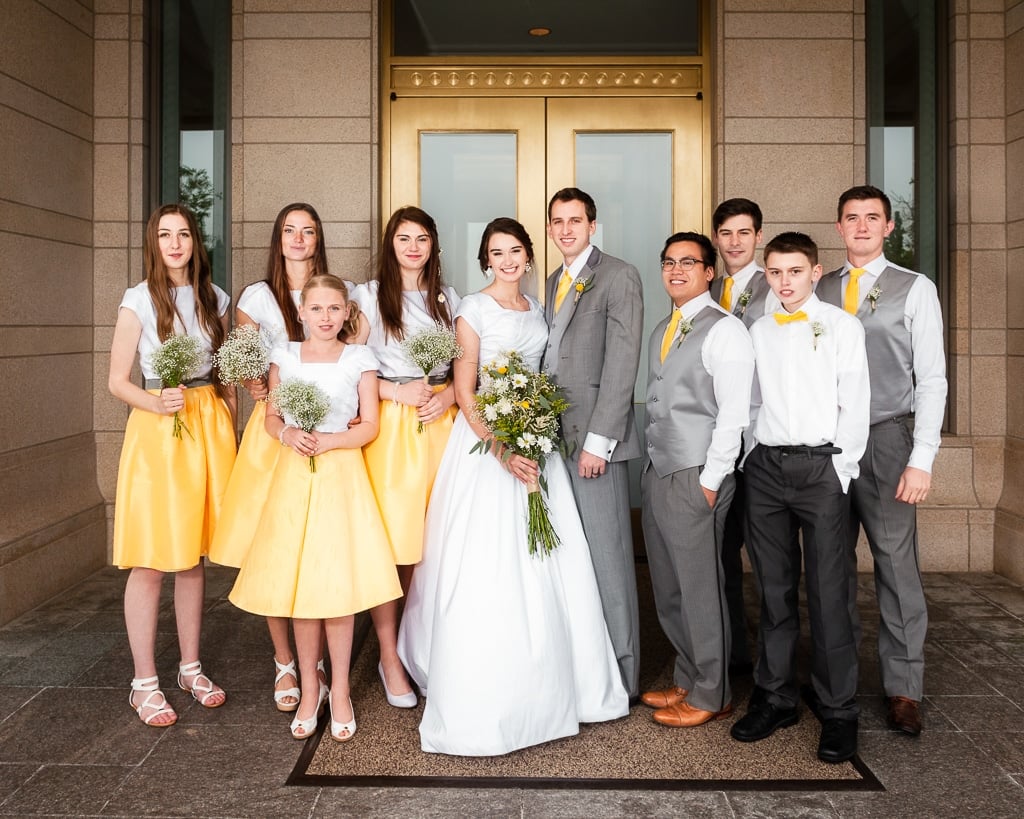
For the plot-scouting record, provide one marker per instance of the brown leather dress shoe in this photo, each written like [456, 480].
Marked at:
[905, 715]
[684, 715]
[665, 698]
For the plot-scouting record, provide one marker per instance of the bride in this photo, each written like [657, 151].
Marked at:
[510, 649]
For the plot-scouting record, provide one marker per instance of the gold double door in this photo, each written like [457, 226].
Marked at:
[467, 160]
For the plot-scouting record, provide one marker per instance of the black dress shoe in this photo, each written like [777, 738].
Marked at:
[838, 740]
[763, 721]
[758, 697]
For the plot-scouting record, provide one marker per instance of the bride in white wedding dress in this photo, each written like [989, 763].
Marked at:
[509, 649]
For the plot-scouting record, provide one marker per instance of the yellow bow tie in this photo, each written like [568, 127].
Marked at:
[563, 288]
[726, 300]
[788, 318]
[852, 298]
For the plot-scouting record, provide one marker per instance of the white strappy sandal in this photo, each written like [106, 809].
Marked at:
[201, 688]
[152, 685]
[283, 670]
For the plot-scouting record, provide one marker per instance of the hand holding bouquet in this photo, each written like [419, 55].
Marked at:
[303, 401]
[520, 409]
[176, 361]
[429, 348]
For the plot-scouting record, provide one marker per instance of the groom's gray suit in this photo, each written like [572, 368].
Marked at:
[593, 353]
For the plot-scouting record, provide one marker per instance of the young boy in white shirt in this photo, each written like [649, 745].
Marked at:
[809, 429]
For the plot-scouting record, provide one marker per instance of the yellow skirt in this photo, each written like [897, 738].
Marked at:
[402, 464]
[247, 491]
[320, 549]
[170, 490]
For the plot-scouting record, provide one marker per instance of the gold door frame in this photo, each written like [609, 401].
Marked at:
[543, 76]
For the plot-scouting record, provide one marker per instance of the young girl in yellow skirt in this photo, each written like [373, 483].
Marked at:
[169, 489]
[407, 295]
[296, 253]
[320, 553]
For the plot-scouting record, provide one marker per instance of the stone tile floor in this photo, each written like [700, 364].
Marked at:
[69, 745]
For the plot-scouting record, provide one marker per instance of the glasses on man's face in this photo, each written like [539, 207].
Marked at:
[686, 263]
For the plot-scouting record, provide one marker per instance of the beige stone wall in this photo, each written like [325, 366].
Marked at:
[304, 126]
[51, 526]
[1009, 515]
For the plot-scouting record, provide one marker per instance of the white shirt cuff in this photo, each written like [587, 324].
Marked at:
[599, 445]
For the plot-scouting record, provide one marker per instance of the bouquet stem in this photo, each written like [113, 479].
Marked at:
[312, 463]
[540, 534]
[180, 425]
[419, 424]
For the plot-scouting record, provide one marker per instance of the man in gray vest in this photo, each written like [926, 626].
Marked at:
[903, 322]
[595, 313]
[698, 404]
[744, 292]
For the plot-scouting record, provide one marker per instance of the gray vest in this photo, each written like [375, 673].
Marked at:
[890, 356]
[557, 322]
[681, 405]
[758, 289]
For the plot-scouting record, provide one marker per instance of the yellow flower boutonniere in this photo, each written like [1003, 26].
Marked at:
[581, 287]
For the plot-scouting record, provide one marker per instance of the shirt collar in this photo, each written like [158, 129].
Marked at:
[874, 268]
[580, 262]
[742, 278]
[811, 307]
[692, 307]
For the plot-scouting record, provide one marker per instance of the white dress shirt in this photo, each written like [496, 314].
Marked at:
[811, 384]
[923, 319]
[728, 357]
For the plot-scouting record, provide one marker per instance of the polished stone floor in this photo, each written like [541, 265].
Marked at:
[69, 745]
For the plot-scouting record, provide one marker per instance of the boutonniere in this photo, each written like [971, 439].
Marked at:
[685, 328]
[818, 329]
[743, 301]
[873, 295]
[581, 287]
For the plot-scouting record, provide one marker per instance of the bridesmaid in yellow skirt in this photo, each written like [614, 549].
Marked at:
[297, 252]
[320, 554]
[407, 295]
[169, 489]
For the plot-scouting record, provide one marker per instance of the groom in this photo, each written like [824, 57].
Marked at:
[595, 312]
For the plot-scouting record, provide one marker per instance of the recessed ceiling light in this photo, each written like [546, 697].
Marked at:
[540, 31]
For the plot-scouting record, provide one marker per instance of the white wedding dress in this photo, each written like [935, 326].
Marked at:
[510, 649]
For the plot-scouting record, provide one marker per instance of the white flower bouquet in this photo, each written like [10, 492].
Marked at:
[176, 361]
[429, 348]
[305, 403]
[244, 355]
[520, 409]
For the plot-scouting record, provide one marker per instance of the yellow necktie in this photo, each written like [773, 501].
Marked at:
[726, 300]
[787, 318]
[852, 299]
[563, 288]
[670, 333]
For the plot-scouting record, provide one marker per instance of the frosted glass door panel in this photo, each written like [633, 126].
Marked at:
[466, 180]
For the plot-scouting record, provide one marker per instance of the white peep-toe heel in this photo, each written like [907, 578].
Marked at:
[397, 700]
[152, 686]
[308, 726]
[201, 688]
[338, 727]
[283, 670]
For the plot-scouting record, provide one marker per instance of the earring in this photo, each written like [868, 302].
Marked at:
[529, 267]
[488, 272]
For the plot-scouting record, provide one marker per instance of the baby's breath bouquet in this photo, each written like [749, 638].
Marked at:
[429, 348]
[520, 409]
[176, 361]
[244, 355]
[303, 402]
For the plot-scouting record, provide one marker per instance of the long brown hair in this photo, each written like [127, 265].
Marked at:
[389, 274]
[199, 276]
[351, 324]
[277, 276]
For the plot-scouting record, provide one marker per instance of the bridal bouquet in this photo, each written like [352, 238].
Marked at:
[244, 355]
[520, 409]
[430, 348]
[304, 402]
[176, 361]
